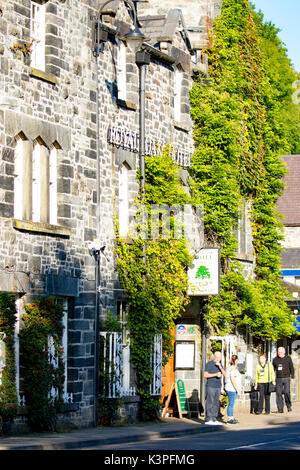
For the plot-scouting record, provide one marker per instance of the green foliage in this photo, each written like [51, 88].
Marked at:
[108, 410]
[240, 133]
[153, 272]
[255, 302]
[8, 394]
[111, 323]
[42, 319]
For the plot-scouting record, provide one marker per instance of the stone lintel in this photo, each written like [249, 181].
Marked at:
[46, 77]
[17, 282]
[28, 225]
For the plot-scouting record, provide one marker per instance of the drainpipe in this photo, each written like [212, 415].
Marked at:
[142, 77]
[142, 60]
[95, 248]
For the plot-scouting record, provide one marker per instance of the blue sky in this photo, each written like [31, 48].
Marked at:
[284, 14]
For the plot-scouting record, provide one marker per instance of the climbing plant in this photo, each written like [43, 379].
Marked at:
[42, 363]
[153, 272]
[8, 394]
[239, 138]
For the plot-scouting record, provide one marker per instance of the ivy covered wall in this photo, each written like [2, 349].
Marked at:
[240, 133]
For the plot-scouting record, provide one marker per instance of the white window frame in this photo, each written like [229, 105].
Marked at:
[36, 183]
[37, 34]
[64, 345]
[53, 186]
[18, 179]
[178, 78]
[2, 349]
[122, 313]
[121, 71]
[123, 201]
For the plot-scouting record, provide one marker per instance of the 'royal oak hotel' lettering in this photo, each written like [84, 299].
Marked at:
[129, 140]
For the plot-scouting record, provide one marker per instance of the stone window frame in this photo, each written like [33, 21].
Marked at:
[53, 136]
[45, 72]
[178, 79]
[181, 98]
[121, 71]
[38, 33]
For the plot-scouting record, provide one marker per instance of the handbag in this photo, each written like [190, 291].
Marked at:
[270, 387]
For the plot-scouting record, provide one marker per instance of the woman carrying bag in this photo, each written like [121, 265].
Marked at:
[264, 380]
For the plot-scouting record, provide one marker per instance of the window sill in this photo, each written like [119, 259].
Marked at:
[182, 126]
[46, 77]
[127, 104]
[39, 227]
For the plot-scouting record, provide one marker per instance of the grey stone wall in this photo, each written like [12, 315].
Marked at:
[59, 107]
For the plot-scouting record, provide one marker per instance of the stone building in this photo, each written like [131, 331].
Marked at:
[70, 121]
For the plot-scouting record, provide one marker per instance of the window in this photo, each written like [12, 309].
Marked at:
[123, 202]
[20, 369]
[53, 358]
[37, 34]
[243, 232]
[177, 94]
[121, 71]
[2, 355]
[122, 317]
[35, 186]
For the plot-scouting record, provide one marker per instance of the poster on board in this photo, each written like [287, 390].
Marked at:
[204, 273]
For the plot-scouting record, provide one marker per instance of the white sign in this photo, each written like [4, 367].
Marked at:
[204, 273]
[184, 355]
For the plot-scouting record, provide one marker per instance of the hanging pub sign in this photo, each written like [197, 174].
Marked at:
[204, 273]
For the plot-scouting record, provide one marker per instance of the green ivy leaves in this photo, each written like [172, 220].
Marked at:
[42, 319]
[240, 135]
[153, 272]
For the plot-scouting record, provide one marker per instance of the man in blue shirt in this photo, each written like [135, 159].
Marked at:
[213, 373]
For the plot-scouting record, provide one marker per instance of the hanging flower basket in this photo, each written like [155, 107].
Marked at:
[24, 48]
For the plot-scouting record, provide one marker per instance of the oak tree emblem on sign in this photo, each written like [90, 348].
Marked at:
[203, 272]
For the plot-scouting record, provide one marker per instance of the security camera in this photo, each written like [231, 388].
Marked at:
[94, 249]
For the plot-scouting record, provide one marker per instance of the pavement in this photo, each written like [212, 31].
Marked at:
[165, 428]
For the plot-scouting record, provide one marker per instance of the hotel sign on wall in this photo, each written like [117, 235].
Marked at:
[204, 273]
[129, 140]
